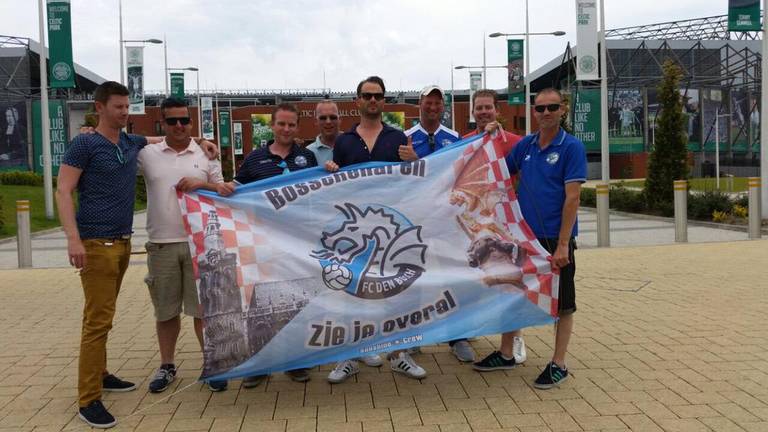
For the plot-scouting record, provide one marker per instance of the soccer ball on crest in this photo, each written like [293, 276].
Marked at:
[336, 277]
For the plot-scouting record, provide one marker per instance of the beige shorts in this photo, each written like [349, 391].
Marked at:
[171, 280]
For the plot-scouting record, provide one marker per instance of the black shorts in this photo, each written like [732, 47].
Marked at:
[567, 294]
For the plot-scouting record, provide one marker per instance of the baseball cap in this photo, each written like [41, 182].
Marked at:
[429, 89]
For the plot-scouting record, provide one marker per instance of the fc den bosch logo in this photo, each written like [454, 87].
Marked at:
[371, 253]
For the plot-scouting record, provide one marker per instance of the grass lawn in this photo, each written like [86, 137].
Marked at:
[704, 184]
[9, 194]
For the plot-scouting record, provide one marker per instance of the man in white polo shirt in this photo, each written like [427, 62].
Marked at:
[175, 163]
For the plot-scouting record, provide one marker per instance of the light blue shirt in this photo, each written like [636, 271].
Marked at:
[322, 152]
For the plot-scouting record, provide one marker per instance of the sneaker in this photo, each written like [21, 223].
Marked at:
[373, 360]
[217, 386]
[494, 361]
[163, 378]
[404, 364]
[518, 350]
[97, 416]
[253, 381]
[298, 375]
[551, 376]
[112, 383]
[463, 351]
[343, 370]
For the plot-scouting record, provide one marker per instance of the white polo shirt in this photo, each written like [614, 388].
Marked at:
[163, 167]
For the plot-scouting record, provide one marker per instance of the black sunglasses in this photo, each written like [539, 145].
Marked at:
[368, 96]
[171, 121]
[328, 117]
[550, 108]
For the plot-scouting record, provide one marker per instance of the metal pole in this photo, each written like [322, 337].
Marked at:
[603, 220]
[485, 70]
[755, 218]
[46, 121]
[527, 73]
[717, 150]
[122, 62]
[763, 118]
[218, 125]
[199, 107]
[165, 61]
[605, 155]
[681, 211]
[232, 134]
[23, 236]
[453, 99]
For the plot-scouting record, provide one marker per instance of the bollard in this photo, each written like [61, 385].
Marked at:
[755, 217]
[603, 215]
[23, 236]
[729, 182]
[681, 210]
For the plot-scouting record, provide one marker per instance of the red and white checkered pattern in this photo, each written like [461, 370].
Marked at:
[240, 231]
[539, 277]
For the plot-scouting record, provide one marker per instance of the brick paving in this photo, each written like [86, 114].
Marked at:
[668, 338]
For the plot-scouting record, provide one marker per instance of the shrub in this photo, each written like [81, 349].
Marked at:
[588, 197]
[21, 178]
[627, 200]
[740, 211]
[702, 206]
[141, 189]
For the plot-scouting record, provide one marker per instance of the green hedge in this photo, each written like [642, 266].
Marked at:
[2, 217]
[21, 178]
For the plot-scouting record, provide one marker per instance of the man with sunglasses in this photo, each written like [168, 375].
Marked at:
[512, 351]
[552, 165]
[175, 163]
[371, 140]
[327, 122]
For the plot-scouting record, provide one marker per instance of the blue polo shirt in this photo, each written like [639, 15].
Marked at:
[107, 186]
[350, 147]
[543, 175]
[262, 163]
[443, 137]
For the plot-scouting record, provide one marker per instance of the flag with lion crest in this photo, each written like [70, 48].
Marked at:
[314, 267]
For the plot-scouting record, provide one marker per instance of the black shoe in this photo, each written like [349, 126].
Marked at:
[494, 361]
[163, 378]
[298, 375]
[97, 416]
[253, 381]
[552, 375]
[217, 386]
[114, 384]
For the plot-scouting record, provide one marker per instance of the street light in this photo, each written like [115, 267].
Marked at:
[199, 108]
[527, 50]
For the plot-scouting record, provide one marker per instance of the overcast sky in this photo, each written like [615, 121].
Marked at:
[265, 44]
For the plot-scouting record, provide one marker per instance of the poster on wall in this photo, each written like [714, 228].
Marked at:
[135, 77]
[394, 119]
[207, 113]
[586, 118]
[714, 103]
[13, 141]
[625, 120]
[59, 139]
[692, 111]
[261, 132]
[739, 120]
[237, 138]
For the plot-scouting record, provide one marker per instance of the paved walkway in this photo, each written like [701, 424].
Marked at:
[667, 338]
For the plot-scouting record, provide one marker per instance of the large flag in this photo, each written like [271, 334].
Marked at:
[60, 44]
[586, 40]
[516, 80]
[310, 267]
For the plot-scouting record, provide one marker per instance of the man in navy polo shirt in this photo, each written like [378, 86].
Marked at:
[552, 165]
[371, 139]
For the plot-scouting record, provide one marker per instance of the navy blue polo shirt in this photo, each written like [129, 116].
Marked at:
[350, 147]
[107, 186]
[543, 175]
[262, 163]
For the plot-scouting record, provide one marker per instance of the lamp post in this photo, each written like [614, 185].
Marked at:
[197, 73]
[527, 50]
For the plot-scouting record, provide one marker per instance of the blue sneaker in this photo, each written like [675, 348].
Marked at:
[217, 386]
[552, 376]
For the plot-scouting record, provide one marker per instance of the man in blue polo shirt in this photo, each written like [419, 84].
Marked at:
[551, 166]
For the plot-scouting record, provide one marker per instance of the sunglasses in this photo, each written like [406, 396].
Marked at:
[171, 121]
[328, 117]
[120, 155]
[369, 96]
[550, 108]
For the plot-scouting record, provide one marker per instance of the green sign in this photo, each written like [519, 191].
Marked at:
[56, 112]
[586, 118]
[516, 84]
[177, 85]
[224, 131]
[743, 15]
[62, 70]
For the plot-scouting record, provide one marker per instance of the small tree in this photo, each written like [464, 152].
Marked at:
[667, 161]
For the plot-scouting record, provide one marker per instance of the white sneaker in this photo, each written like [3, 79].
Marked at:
[342, 371]
[518, 350]
[404, 364]
[373, 360]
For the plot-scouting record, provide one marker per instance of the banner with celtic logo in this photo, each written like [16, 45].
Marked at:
[62, 70]
[586, 40]
[516, 84]
[313, 267]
